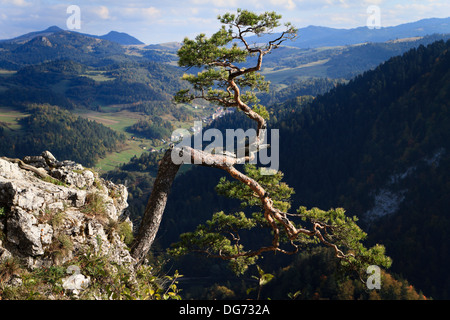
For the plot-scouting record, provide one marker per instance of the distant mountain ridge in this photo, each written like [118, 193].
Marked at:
[45, 46]
[309, 37]
[29, 36]
[316, 36]
[121, 38]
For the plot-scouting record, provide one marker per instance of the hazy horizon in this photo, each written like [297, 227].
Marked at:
[170, 21]
[66, 29]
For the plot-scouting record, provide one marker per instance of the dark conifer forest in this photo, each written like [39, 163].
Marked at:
[385, 133]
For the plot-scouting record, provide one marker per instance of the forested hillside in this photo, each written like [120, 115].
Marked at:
[71, 84]
[69, 137]
[83, 75]
[377, 146]
[59, 46]
[291, 65]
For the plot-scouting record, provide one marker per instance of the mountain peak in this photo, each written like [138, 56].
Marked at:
[113, 36]
[53, 29]
[28, 36]
[121, 38]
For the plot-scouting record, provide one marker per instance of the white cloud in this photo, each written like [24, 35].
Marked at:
[373, 2]
[218, 3]
[102, 12]
[151, 12]
[18, 3]
[140, 13]
[288, 4]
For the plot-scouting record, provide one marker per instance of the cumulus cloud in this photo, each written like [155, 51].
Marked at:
[373, 2]
[288, 4]
[218, 3]
[102, 12]
[18, 3]
[133, 12]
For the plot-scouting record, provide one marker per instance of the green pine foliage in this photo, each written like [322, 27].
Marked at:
[221, 236]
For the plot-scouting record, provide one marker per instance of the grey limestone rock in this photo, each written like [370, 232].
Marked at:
[42, 217]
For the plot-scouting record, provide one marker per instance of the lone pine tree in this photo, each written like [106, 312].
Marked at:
[224, 81]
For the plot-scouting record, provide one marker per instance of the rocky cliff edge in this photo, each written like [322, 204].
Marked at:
[52, 210]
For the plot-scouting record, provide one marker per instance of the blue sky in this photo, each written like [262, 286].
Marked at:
[171, 20]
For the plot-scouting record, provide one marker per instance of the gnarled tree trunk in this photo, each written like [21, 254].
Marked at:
[155, 207]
